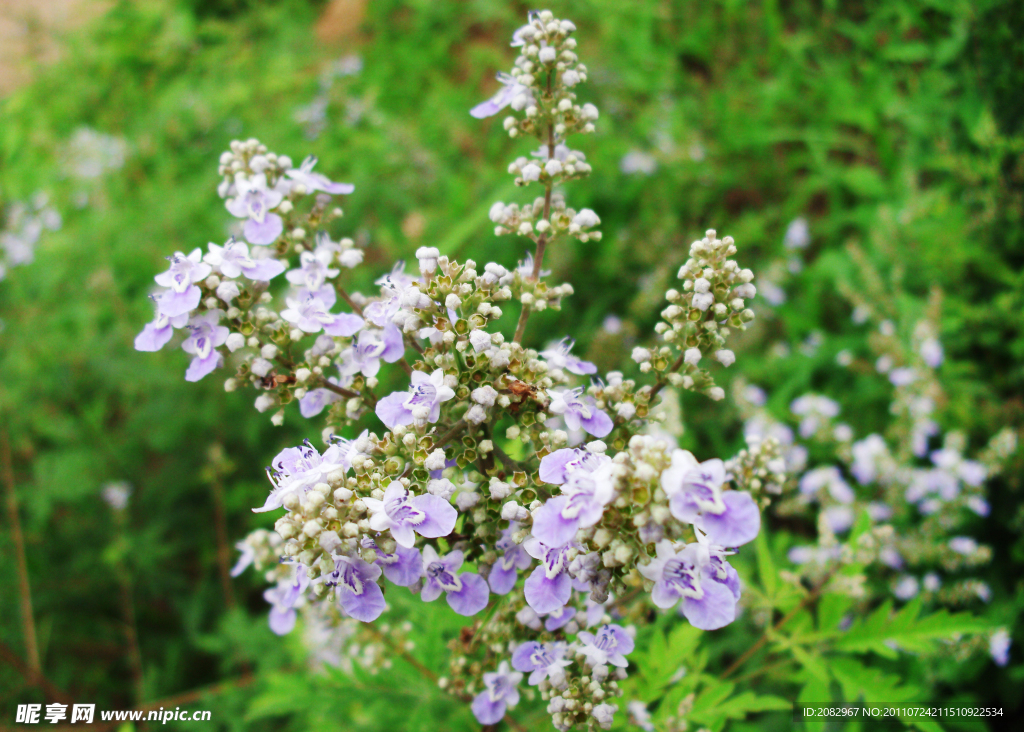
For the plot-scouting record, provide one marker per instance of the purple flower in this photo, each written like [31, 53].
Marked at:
[580, 413]
[403, 568]
[316, 400]
[931, 352]
[999, 647]
[549, 586]
[542, 661]
[730, 518]
[156, 334]
[467, 593]
[559, 618]
[558, 356]
[313, 271]
[421, 402]
[253, 203]
[284, 597]
[358, 592]
[183, 295]
[297, 469]
[202, 344]
[317, 181]
[372, 347]
[584, 496]
[514, 558]
[699, 575]
[555, 466]
[609, 645]
[310, 316]
[500, 692]
[830, 477]
[406, 515]
[233, 260]
[509, 91]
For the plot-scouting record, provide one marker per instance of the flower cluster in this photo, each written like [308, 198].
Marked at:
[427, 495]
[914, 486]
[23, 224]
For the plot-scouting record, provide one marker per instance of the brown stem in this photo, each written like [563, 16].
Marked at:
[811, 597]
[452, 432]
[348, 394]
[131, 628]
[28, 623]
[33, 678]
[223, 547]
[542, 241]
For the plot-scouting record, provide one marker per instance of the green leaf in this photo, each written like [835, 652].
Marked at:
[885, 633]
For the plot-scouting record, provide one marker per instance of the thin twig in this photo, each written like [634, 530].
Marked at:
[28, 624]
[223, 547]
[33, 678]
[447, 436]
[811, 597]
[542, 240]
[131, 628]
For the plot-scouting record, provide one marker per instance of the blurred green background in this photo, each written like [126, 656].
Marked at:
[896, 125]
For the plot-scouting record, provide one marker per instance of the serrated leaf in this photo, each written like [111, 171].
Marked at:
[885, 633]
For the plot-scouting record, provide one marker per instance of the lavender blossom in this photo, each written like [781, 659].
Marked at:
[313, 271]
[542, 661]
[580, 412]
[421, 402]
[233, 260]
[558, 356]
[317, 181]
[514, 558]
[609, 645]
[467, 593]
[509, 92]
[311, 316]
[556, 466]
[253, 203]
[297, 469]
[730, 518]
[698, 575]
[584, 497]
[358, 592]
[549, 586]
[372, 347]
[206, 335]
[184, 295]
[284, 598]
[406, 515]
[499, 693]
[157, 334]
[404, 567]
[316, 400]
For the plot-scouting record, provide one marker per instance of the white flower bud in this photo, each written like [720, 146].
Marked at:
[269, 351]
[725, 357]
[553, 167]
[452, 302]
[547, 55]
[261, 367]
[692, 356]
[589, 112]
[235, 341]
[531, 172]
[435, 461]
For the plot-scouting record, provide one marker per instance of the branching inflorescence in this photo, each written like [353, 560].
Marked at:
[591, 508]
